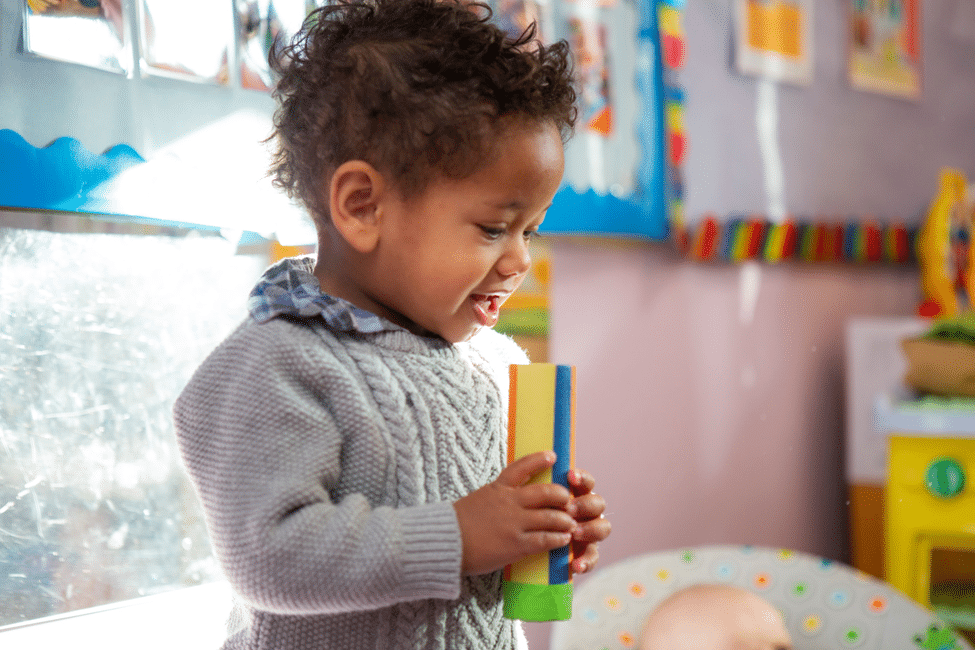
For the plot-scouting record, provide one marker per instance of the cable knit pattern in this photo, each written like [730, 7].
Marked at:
[327, 463]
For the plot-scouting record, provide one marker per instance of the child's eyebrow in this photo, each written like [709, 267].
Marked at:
[514, 205]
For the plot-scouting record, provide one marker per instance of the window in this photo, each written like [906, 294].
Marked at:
[98, 334]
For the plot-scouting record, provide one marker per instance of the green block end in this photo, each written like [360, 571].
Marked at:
[537, 603]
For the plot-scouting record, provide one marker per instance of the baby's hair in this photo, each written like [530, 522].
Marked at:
[413, 87]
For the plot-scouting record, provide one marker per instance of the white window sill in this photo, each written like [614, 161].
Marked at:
[194, 618]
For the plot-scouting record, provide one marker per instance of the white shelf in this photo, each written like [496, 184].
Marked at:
[942, 418]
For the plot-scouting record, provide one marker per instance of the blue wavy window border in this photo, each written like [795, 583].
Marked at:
[60, 176]
[64, 176]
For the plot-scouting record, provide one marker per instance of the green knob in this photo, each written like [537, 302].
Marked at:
[945, 478]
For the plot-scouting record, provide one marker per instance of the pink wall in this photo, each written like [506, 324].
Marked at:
[709, 411]
[705, 423]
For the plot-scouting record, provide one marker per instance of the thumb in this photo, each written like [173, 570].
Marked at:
[522, 470]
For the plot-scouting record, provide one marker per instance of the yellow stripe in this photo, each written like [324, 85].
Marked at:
[532, 570]
[533, 393]
[534, 412]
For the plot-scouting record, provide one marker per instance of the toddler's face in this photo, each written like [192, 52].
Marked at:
[450, 257]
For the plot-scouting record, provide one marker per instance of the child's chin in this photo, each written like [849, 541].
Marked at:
[454, 331]
[461, 336]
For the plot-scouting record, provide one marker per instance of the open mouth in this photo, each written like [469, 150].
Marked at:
[487, 308]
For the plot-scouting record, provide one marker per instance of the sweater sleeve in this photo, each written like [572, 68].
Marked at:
[263, 447]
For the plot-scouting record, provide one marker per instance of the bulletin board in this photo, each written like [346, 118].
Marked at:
[622, 175]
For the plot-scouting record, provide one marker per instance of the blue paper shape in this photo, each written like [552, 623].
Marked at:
[60, 176]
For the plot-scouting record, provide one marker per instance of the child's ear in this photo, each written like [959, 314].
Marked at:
[355, 196]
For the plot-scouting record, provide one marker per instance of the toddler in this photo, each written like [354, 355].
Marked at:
[715, 617]
[348, 440]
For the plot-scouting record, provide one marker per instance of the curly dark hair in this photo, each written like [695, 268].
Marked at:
[413, 87]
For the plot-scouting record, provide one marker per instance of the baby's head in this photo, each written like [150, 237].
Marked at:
[715, 617]
[415, 88]
[427, 145]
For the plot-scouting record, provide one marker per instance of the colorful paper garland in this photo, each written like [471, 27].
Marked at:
[741, 238]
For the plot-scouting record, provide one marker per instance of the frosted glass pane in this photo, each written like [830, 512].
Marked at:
[98, 334]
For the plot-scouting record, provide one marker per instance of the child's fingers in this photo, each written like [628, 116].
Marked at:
[544, 495]
[543, 540]
[581, 481]
[595, 530]
[548, 519]
[584, 562]
[586, 507]
[520, 471]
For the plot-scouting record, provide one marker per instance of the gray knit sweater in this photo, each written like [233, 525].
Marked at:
[327, 461]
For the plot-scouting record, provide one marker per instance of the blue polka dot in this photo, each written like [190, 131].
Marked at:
[839, 598]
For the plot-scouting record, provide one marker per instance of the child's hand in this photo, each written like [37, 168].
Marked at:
[507, 520]
[587, 508]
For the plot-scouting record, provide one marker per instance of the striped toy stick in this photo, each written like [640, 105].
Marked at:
[541, 416]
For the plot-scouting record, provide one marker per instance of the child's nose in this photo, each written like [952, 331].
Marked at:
[516, 259]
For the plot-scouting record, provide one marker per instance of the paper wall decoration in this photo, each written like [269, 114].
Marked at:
[773, 39]
[753, 237]
[61, 176]
[885, 47]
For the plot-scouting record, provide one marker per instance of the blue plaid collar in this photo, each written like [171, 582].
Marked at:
[289, 288]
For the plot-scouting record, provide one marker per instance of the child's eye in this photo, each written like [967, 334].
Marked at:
[493, 232]
[531, 234]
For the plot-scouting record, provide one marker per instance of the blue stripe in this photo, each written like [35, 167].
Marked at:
[558, 565]
[562, 435]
